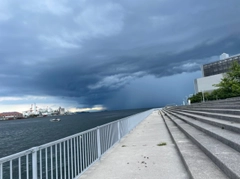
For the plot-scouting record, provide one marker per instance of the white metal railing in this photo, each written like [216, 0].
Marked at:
[69, 157]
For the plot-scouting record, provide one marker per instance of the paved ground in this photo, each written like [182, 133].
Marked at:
[138, 156]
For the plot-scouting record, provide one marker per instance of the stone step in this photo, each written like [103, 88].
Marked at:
[232, 139]
[227, 117]
[229, 125]
[216, 103]
[197, 163]
[226, 158]
[220, 101]
[225, 106]
[214, 110]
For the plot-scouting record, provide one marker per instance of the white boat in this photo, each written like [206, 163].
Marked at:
[55, 120]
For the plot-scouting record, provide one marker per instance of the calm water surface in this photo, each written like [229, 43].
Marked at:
[19, 135]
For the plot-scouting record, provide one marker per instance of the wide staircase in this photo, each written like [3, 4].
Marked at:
[207, 136]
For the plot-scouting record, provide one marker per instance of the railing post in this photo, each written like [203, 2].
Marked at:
[119, 132]
[1, 171]
[98, 143]
[34, 163]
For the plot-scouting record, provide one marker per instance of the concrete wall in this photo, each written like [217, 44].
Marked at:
[206, 83]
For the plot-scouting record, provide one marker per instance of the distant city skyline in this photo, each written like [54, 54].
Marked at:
[95, 55]
[25, 107]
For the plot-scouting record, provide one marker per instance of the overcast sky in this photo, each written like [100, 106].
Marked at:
[106, 54]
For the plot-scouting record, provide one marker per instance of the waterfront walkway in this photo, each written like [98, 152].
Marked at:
[138, 155]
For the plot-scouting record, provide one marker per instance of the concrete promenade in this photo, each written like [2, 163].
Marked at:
[138, 155]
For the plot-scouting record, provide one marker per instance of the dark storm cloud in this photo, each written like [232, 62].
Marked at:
[90, 51]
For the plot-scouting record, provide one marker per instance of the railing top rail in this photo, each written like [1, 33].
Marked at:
[65, 138]
[16, 155]
[109, 123]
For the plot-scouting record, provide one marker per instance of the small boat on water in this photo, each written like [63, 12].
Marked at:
[55, 120]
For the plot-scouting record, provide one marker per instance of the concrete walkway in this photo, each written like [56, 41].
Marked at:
[138, 156]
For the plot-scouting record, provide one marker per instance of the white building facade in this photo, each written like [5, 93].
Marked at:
[205, 84]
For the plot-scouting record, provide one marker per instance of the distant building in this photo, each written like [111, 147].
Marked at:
[213, 73]
[61, 111]
[10, 115]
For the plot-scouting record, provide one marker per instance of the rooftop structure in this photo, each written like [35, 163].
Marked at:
[224, 56]
[220, 66]
[213, 73]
